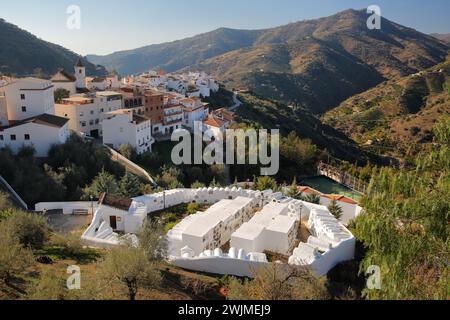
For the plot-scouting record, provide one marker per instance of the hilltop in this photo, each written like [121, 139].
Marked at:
[21, 53]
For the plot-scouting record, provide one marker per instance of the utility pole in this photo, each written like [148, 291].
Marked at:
[92, 204]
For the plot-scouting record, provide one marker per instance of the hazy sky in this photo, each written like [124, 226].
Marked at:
[114, 25]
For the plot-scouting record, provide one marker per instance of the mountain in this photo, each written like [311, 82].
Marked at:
[267, 113]
[177, 54]
[316, 63]
[398, 114]
[445, 37]
[21, 53]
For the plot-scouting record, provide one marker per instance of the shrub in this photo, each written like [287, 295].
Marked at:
[70, 242]
[31, 229]
[192, 208]
[14, 257]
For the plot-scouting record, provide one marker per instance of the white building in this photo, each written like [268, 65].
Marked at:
[173, 114]
[113, 82]
[86, 112]
[80, 75]
[214, 127]
[213, 228]
[97, 83]
[194, 110]
[63, 80]
[125, 127]
[196, 242]
[3, 111]
[41, 132]
[28, 97]
[330, 243]
[269, 230]
[114, 214]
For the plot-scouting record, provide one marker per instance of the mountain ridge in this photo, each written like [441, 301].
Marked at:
[398, 114]
[313, 63]
[21, 53]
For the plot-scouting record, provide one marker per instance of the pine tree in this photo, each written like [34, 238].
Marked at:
[293, 191]
[104, 182]
[129, 186]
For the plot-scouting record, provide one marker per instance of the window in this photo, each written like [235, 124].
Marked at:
[81, 114]
[1, 137]
[91, 122]
[97, 121]
[22, 97]
[24, 109]
[13, 137]
[83, 123]
[92, 111]
[101, 110]
[26, 137]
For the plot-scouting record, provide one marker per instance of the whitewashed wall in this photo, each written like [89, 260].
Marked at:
[66, 207]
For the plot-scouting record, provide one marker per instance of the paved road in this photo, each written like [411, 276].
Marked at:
[236, 101]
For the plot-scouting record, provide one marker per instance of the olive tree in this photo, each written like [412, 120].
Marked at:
[278, 282]
[131, 269]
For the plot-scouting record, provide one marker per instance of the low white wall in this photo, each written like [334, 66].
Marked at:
[345, 251]
[220, 265]
[66, 207]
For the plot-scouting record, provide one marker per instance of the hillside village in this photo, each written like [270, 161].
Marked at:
[136, 111]
[358, 210]
[140, 111]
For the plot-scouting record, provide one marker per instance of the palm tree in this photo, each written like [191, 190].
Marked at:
[335, 209]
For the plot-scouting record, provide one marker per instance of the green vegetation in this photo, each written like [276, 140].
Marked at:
[61, 94]
[304, 135]
[5, 202]
[131, 268]
[128, 152]
[129, 186]
[335, 209]
[413, 97]
[405, 226]
[69, 168]
[265, 183]
[386, 120]
[15, 258]
[102, 183]
[220, 99]
[31, 230]
[275, 283]
[312, 198]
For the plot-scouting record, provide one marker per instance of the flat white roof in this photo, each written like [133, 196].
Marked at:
[215, 215]
[249, 231]
[270, 218]
[282, 224]
[270, 211]
[108, 93]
